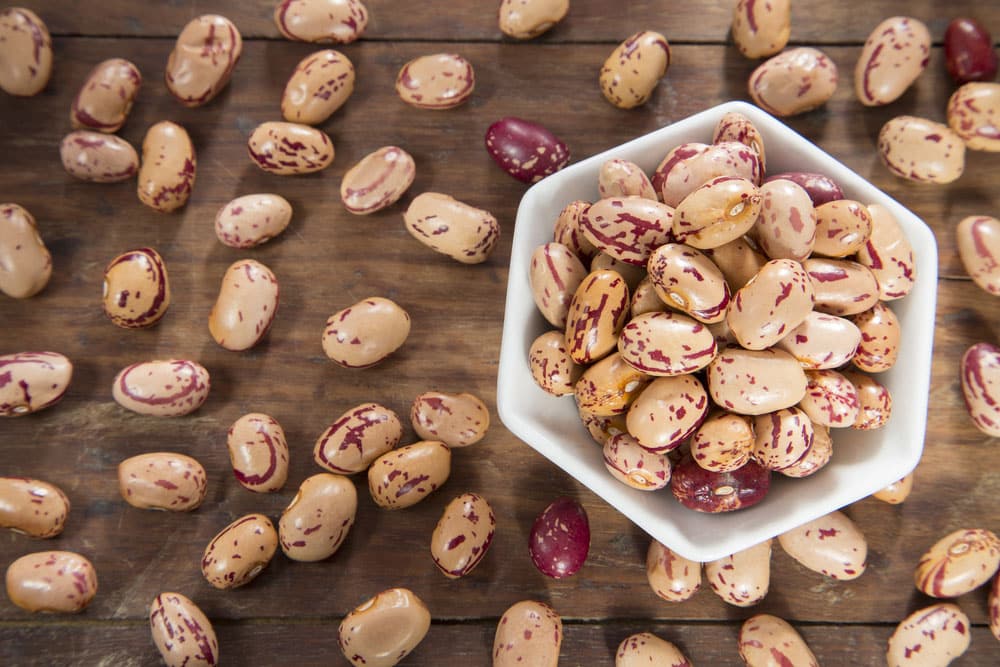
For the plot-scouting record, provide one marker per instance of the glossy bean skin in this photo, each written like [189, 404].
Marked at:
[319, 85]
[239, 552]
[457, 420]
[974, 115]
[712, 492]
[290, 148]
[567, 230]
[771, 304]
[608, 387]
[688, 165]
[894, 55]
[32, 381]
[786, 228]
[169, 164]
[767, 640]
[842, 228]
[941, 632]
[365, 333]
[528, 633]
[245, 307]
[631, 464]
[356, 438]
[97, 157]
[978, 238]
[526, 19]
[378, 180]
[337, 21]
[437, 82]
[874, 402]
[136, 289]
[831, 399]
[717, 212]
[554, 275]
[821, 188]
[840, 286]
[897, 492]
[761, 29]
[993, 601]
[958, 563]
[384, 629]
[258, 452]
[782, 438]
[251, 220]
[671, 576]
[621, 178]
[754, 382]
[106, 96]
[51, 581]
[463, 535]
[743, 578]
[645, 648]
[794, 82]
[596, 316]
[665, 344]
[317, 521]
[527, 151]
[32, 507]
[644, 299]
[968, 51]
[162, 388]
[162, 481]
[559, 540]
[686, 279]
[738, 261]
[203, 59]
[600, 427]
[628, 228]
[724, 442]
[552, 369]
[632, 71]
[815, 458]
[667, 412]
[822, 341]
[451, 227]
[182, 633]
[831, 545]
[26, 52]
[921, 150]
[405, 476]
[880, 339]
[980, 370]
[631, 273]
[25, 262]
[889, 255]
[735, 127]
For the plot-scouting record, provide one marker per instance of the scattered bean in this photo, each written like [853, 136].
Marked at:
[889, 255]
[167, 172]
[551, 366]
[106, 96]
[934, 635]
[32, 381]
[921, 150]
[203, 59]
[317, 521]
[182, 633]
[968, 51]
[98, 158]
[761, 29]
[743, 578]
[32, 507]
[769, 640]
[560, 539]
[258, 452]
[632, 71]
[646, 648]
[319, 85]
[666, 344]
[377, 181]
[712, 492]
[357, 438]
[974, 115]
[874, 402]
[782, 438]
[993, 601]
[529, 633]
[438, 81]
[717, 212]
[162, 481]
[880, 339]
[958, 563]
[527, 151]
[25, 54]
[251, 220]
[596, 316]
[167, 388]
[754, 382]
[457, 420]
[463, 535]
[671, 576]
[815, 458]
[453, 228]
[667, 412]
[687, 166]
[981, 386]
[734, 126]
[136, 289]
[25, 262]
[239, 552]
[794, 82]
[525, 19]
[405, 476]
[246, 305]
[831, 545]
[337, 21]
[978, 239]
[897, 492]
[365, 333]
[53, 581]
[894, 55]
[290, 148]
[385, 629]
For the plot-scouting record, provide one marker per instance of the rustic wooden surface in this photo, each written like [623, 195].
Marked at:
[328, 259]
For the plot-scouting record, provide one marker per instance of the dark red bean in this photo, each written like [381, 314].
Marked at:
[968, 51]
[525, 150]
[821, 189]
[706, 491]
[560, 539]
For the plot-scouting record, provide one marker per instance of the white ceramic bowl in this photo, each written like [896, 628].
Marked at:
[862, 463]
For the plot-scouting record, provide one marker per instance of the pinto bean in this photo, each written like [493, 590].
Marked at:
[772, 303]
[724, 442]
[743, 578]
[246, 305]
[717, 212]
[880, 339]
[897, 492]
[32, 507]
[686, 279]
[555, 275]
[921, 150]
[687, 166]
[25, 262]
[106, 96]
[32, 381]
[786, 228]
[162, 481]
[317, 521]
[596, 316]
[526, 19]
[645, 648]
[251, 220]
[840, 286]
[162, 388]
[457, 420]
[634, 68]
[337, 21]
[621, 178]
[182, 633]
[842, 228]
[551, 366]
[136, 289]
[319, 85]
[25, 52]
[822, 341]
[894, 55]
[874, 401]
[968, 51]
[831, 545]
[889, 255]
[608, 387]
[453, 228]
[978, 239]
[958, 563]
[527, 151]
[768, 640]
[633, 465]
[667, 412]
[738, 260]
[167, 172]
[671, 576]
[98, 158]
[258, 452]
[405, 476]
[974, 115]
[385, 629]
[51, 581]
[437, 81]
[782, 437]
[761, 29]
[463, 535]
[815, 458]
[239, 552]
[941, 632]
[529, 633]
[980, 370]
[794, 82]
[568, 230]
[821, 188]
[628, 228]
[358, 437]
[290, 148]
[365, 333]
[203, 59]
[377, 181]
[754, 382]
[664, 344]
[831, 399]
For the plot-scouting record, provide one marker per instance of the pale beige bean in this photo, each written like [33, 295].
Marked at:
[290, 148]
[880, 339]
[203, 59]
[25, 262]
[601, 427]
[319, 85]
[894, 55]
[978, 238]
[33, 381]
[337, 21]
[723, 442]
[768, 640]
[631, 464]
[644, 648]
[743, 578]
[554, 275]
[831, 545]
[32, 507]
[753, 382]
[958, 563]
[687, 166]
[51, 581]
[167, 172]
[246, 305]
[842, 228]
[921, 150]
[251, 220]
[772, 303]
[645, 300]
[552, 368]
[365, 333]
[686, 279]
[457, 420]
[358, 437]
[889, 255]
[782, 438]
[239, 552]
[608, 387]
[437, 81]
[738, 261]
[761, 28]
[182, 633]
[453, 228]
[634, 68]
[25, 52]
[106, 96]
[840, 286]
[815, 458]
[385, 629]
[794, 82]
[621, 178]
[932, 636]
[567, 230]
[136, 289]
[463, 535]
[786, 228]
[822, 341]
[317, 521]
[596, 316]
[974, 114]
[671, 576]
[162, 388]
[667, 412]
[719, 211]
[377, 181]
[525, 19]
[665, 344]
[734, 126]
[258, 452]
[162, 481]
[897, 492]
[98, 158]
[529, 633]
[405, 476]
[831, 399]
[980, 370]
[628, 228]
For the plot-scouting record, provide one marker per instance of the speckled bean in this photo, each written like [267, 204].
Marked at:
[894, 55]
[167, 172]
[162, 388]
[601, 427]
[880, 339]
[453, 228]
[632, 71]
[631, 464]
[182, 633]
[666, 344]
[437, 81]
[337, 21]
[921, 150]
[689, 165]
[958, 563]
[821, 188]
[822, 341]
[794, 82]
[897, 492]
[378, 180]
[463, 535]
[831, 399]
[239, 552]
[136, 289]
[525, 19]
[621, 178]
[106, 96]
[978, 238]
[554, 275]
[51, 581]
[771, 304]
[974, 115]
[32, 507]
[889, 255]
[568, 232]
[203, 59]
[385, 629]
[596, 316]
[934, 635]
[290, 148]
[608, 387]
[686, 279]
[32, 381]
[644, 648]
[786, 228]
[98, 158]
[667, 412]
[358, 437]
[842, 228]
[551, 366]
[761, 28]
[717, 212]
[815, 458]
[365, 333]
[528, 633]
[734, 126]
[318, 519]
[754, 382]
[251, 220]
[25, 54]
[782, 437]
[671, 576]
[162, 481]
[743, 578]
[258, 452]
[246, 305]
[840, 286]
[25, 262]
[457, 420]
[980, 370]
[767, 640]
[723, 442]
[628, 228]
[405, 476]
[831, 545]
[319, 85]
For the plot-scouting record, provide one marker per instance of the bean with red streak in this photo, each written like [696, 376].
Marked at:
[761, 28]
[568, 231]
[874, 401]
[664, 344]
[831, 545]
[687, 166]
[686, 279]
[162, 388]
[437, 81]
[169, 164]
[897, 492]
[768, 640]
[880, 339]
[203, 59]
[980, 371]
[608, 387]
[622, 178]
[667, 412]
[51, 581]
[317, 521]
[528, 633]
[162, 481]
[754, 382]
[978, 238]
[782, 438]
[554, 275]
[933, 635]
[831, 399]
[815, 458]
[794, 82]
[821, 188]
[25, 52]
[771, 304]
[32, 507]
[136, 289]
[246, 305]
[32, 381]
[822, 341]
[974, 115]
[840, 286]
[25, 262]
[338, 21]
[842, 228]
[717, 212]
[320, 84]
[889, 255]
[958, 563]
[734, 126]
[921, 150]
[894, 55]
[378, 180]
[631, 464]
[251, 220]
[628, 228]
[743, 578]
[457, 420]
[451, 227]
[786, 228]
[106, 96]
[182, 633]
[644, 648]
[290, 148]
[356, 438]
[258, 452]
[365, 333]
[596, 316]
[405, 476]
[551, 366]
[463, 535]
[724, 442]
[239, 552]
[98, 158]
[671, 576]
[634, 68]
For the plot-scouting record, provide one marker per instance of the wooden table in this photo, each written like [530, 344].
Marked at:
[329, 259]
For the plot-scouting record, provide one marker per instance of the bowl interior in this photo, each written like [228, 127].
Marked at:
[862, 463]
